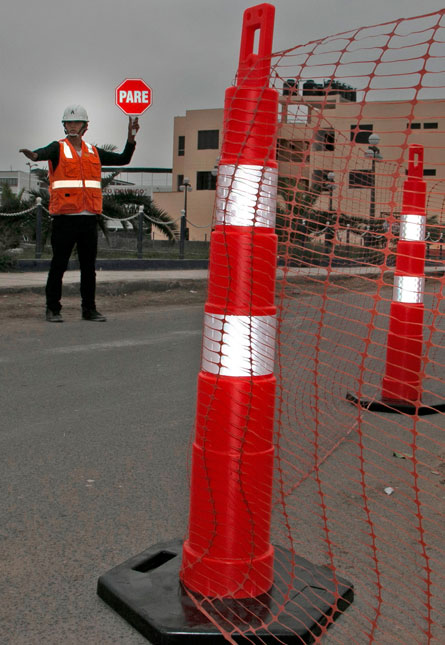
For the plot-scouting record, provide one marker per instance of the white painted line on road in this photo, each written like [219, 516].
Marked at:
[117, 344]
[114, 344]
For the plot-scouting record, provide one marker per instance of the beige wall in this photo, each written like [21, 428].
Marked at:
[200, 203]
[389, 120]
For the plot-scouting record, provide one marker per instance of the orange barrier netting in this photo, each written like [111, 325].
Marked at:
[359, 490]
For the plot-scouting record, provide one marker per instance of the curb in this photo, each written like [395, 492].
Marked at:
[121, 264]
[116, 287]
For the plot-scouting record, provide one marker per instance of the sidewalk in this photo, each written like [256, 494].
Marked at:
[106, 280]
[161, 280]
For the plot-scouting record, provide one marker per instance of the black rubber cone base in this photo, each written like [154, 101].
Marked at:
[429, 405]
[146, 592]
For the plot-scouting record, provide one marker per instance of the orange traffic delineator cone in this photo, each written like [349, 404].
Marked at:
[402, 382]
[228, 563]
[228, 551]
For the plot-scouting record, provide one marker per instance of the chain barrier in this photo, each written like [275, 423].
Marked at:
[154, 221]
[28, 210]
[197, 225]
[120, 219]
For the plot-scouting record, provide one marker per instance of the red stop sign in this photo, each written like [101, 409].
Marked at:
[133, 96]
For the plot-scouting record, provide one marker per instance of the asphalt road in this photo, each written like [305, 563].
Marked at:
[95, 429]
[95, 438]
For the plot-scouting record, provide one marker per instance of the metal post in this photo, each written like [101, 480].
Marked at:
[38, 251]
[303, 233]
[328, 240]
[373, 152]
[140, 231]
[182, 234]
[372, 204]
[185, 187]
[31, 166]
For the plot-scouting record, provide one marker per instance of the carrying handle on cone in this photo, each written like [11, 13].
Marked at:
[254, 68]
[414, 187]
[415, 161]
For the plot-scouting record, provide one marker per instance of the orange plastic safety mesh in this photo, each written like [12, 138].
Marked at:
[358, 490]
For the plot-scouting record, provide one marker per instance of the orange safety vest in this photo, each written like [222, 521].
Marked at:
[75, 184]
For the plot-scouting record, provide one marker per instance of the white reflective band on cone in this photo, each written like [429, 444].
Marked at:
[238, 345]
[67, 151]
[412, 228]
[246, 196]
[408, 289]
[67, 183]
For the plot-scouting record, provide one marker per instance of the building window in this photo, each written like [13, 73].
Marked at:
[180, 181]
[414, 125]
[430, 126]
[181, 145]
[360, 133]
[360, 179]
[292, 151]
[205, 180]
[9, 181]
[324, 140]
[208, 139]
[429, 172]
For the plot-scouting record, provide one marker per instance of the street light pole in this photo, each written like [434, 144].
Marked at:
[373, 152]
[31, 166]
[331, 178]
[185, 187]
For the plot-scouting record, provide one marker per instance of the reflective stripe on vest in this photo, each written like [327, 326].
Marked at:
[75, 183]
[246, 196]
[238, 345]
[67, 151]
[408, 289]
[412, 228]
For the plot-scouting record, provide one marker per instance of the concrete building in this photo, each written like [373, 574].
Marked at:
[323, 134]
[143, 180]
[19, 180]
[197, 141]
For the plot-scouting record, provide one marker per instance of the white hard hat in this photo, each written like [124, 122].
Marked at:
[75, 113]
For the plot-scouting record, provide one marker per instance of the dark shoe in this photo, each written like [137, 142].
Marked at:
[93, 315]
[53, 316]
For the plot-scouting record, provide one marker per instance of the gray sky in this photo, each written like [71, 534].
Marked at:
[57, 52]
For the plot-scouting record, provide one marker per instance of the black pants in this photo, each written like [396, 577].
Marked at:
[68, 231]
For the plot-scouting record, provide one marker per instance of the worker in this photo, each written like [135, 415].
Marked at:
[75, 204]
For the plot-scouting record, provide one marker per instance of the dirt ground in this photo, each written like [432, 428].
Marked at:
[111, 299]
[28, 305]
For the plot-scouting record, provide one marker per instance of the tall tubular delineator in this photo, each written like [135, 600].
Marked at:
[403, 372]
[228, 551]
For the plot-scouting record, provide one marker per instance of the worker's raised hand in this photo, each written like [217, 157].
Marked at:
[29, 153]
[133, 127]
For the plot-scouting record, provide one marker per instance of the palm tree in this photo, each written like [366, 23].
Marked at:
[296, 212]
[125, 203]
[14, 229]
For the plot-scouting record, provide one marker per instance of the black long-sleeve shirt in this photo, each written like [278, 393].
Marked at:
[52, 152]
